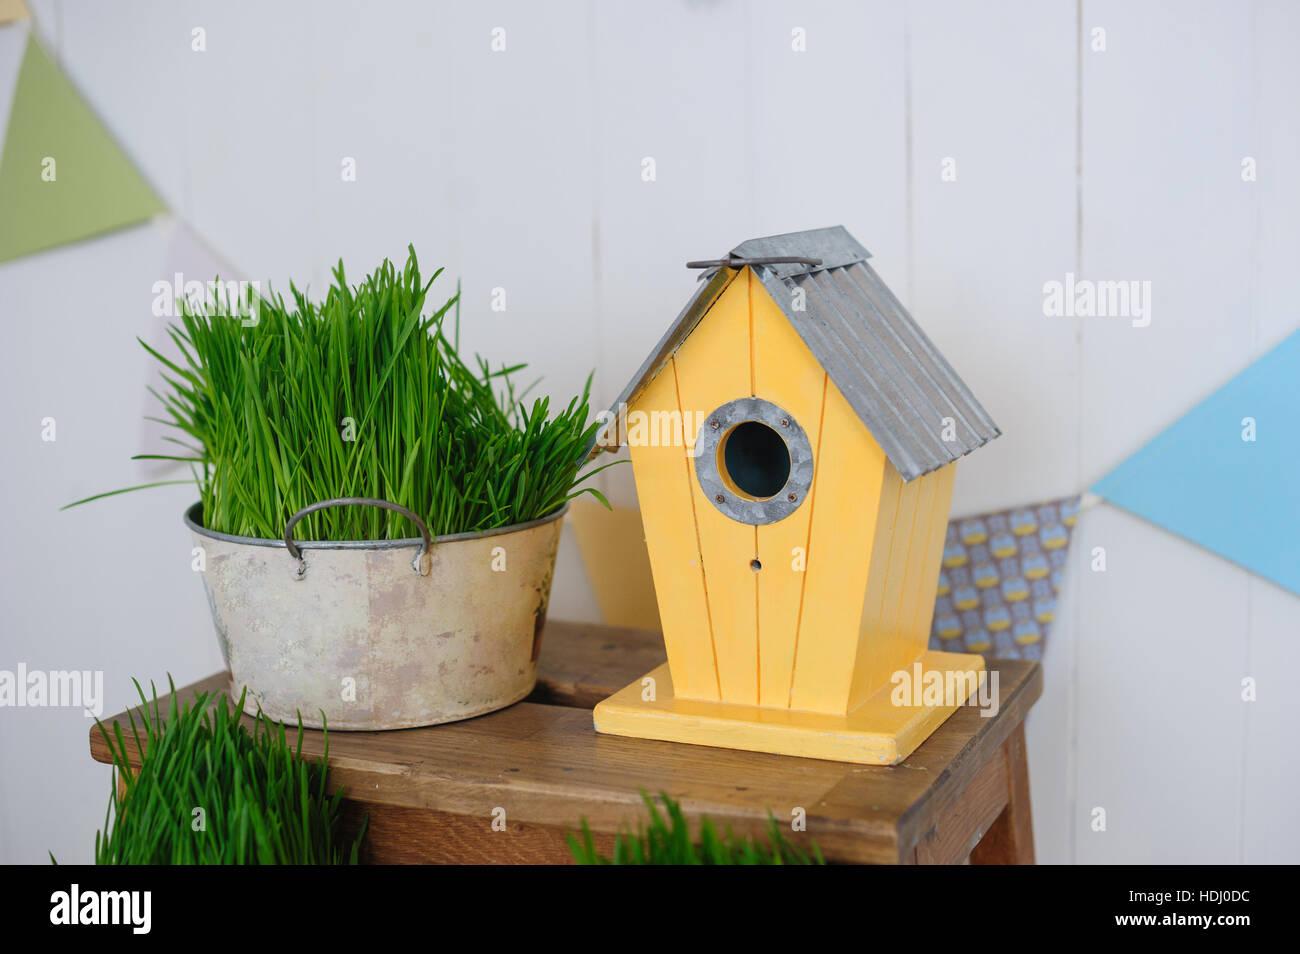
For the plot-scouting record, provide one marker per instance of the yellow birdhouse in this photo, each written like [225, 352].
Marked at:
[793, 439]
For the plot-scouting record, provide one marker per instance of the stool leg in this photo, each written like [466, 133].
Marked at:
[1010, 841]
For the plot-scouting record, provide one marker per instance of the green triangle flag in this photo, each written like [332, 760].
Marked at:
[62, 177]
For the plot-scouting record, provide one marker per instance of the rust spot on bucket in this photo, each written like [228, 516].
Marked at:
[539, 623]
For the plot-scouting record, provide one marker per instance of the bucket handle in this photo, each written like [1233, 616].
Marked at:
[423, 562]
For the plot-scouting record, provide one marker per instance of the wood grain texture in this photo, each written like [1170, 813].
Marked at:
[546, 766]
[787, 374]
[667, 490]
[955, 834]
[1010, 840]
[396, 835]
[714, 366]
[582, 661]
[849, 481]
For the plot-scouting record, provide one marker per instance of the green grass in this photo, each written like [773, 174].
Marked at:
[361, 395]
[261, 801]
[667, 840]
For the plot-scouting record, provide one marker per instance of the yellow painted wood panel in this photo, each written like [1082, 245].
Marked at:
[929, 582]
[664, 482]
[714, 366]
[918, 551]
[900, 604]
[878, 650]
[848, 477]
[878, 732]
[882, 647]
[882, 543]
[787, 374]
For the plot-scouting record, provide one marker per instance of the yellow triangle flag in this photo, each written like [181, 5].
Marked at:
[11, 10]
[62, 177]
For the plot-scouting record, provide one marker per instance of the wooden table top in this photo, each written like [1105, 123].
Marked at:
[543, 762]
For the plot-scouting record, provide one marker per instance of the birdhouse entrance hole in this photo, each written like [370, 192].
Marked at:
[755, 460]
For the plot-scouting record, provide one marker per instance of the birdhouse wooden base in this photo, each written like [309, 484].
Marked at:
[878, 732]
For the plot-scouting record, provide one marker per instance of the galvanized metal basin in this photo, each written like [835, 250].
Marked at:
[384, 634]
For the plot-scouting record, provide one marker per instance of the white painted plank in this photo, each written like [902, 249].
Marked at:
[1277, 188]
[1050, 729]
[1160, 648]
[994, 91]
[107, 586]
[519, 195]
[381, 104]
[249, 132]
[1270, 826]
[1270, 774]
[521, 190]
[1167, 115]
[826, 98]
[1166, 121]
[669, 87]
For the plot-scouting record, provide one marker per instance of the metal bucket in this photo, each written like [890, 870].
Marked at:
[382, 634]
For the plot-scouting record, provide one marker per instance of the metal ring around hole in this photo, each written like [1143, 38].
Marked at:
[738, 506]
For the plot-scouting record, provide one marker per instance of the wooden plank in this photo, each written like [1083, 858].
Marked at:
[582, 663]
[714, 367]
[885, 644]
[1010, 839]
[545, 766]
[848, 480]
[787, 374]
[929, 583]
[397, 835]
[895, 631]
[960, 831]
[947, 762]
[668, 501]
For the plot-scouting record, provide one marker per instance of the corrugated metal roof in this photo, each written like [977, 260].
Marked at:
[890, 373]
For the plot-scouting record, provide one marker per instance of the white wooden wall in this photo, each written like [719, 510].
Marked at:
[523, 170]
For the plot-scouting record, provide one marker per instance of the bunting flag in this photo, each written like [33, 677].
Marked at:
[11, 10]
[13, 40]
[62, 177]
[1224, 475]
[1001, 575]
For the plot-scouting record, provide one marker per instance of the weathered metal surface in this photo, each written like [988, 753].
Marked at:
[735, 261]
[920, 412]
[906, 393]
[367, 642]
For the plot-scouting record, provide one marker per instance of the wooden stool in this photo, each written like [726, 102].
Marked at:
[433, 794]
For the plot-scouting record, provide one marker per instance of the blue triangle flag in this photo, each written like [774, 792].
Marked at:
[1226, 475]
